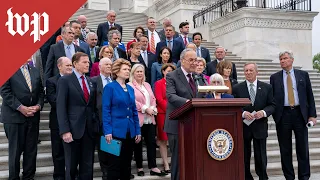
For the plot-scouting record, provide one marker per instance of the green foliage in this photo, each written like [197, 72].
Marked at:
[316, 62]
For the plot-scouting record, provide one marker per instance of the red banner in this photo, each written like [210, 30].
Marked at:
[25, 25]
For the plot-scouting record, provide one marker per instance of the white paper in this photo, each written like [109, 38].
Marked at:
[248, 122]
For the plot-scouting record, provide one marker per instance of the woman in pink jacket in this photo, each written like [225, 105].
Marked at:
[146, 106]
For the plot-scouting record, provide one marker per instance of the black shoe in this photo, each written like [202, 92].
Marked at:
[39, 141]
[152, 173]
[140, 173]
[131, 176]
[167, 171]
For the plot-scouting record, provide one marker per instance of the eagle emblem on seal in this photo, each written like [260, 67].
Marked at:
[220, 144]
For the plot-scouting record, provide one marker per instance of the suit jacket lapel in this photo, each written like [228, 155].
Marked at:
[136, 85]
[32, 78]
[99, 85]
[61, 45]
[280, 80]
[19, 73]
[91, 95]
[184, 80]
[75, 82]
[259, 91]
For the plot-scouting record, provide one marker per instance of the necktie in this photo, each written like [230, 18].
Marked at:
[145, 58]
[31, 63]
[111, 25]
[252, 94]
[185, 40]
[84, 34]
[192, 84]
[115, 54]
[108, 80]
[290, 89]
[198, 52]
[27, 76]
[152, 48]
[68, 52]
[76, 42]
[85, 90]
[169, 45]
[92, 55]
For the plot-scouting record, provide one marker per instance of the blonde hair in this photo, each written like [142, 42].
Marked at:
[102, 51]
[203, 61]
[133, 69]
[116, 66]
[217, 77]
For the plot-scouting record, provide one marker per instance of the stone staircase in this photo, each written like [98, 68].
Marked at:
[129, 21]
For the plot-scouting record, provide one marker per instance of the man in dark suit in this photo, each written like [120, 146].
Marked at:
[162, 34]
[65, 68]
[212, 66]
[257, 113]
[103, 28]
[101, 80]
[77, 119]
[180, 89]
[84, 29]
[175, 46]
[114, 37]
[75, 25]
[146, 57]
[184, 31]
[63, 48]
[201, 51]
[20, 113]
[92, 39]
[295, 108]
[152, 35]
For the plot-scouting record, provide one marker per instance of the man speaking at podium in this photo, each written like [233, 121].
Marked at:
[181, 88]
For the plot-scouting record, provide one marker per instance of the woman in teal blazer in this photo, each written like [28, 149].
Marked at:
[120, 120]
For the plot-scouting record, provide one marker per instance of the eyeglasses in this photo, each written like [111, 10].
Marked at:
[216, 82]
[191, 60]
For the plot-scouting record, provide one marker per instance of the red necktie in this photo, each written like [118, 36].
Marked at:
[85, 90]
[185, 40]
[192, 84]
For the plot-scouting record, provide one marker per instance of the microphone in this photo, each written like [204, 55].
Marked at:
[196, 77]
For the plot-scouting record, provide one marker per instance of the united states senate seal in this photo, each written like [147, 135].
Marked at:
[220, 144]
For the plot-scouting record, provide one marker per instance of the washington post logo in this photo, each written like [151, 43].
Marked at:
[23, 23]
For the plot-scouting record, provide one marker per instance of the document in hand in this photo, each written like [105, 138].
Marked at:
[113, 148]
[248, 122]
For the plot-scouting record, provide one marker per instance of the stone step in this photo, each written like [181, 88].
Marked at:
[274, 144]
[45, 159]
[45, 173]
[312, 133]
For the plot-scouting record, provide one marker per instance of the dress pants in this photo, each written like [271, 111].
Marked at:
[148, 132]
[260, 155]
[174, 149]
[22, 138]
[103, 158]
[79, 152]
[292, 120]
[119, 167]
[57, 155]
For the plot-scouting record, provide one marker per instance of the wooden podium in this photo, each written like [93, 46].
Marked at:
[206, 154]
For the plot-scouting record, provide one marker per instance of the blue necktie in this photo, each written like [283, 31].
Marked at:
[68, 52]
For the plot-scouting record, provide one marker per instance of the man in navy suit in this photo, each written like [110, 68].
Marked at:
[62, 48]
[162, 34]
[77, 118]
[175, 46]
[220, 55]
[103, 28]
[184, 31]
[77, 33]
[146, 57]
[201, 51]
[295, 107]
[65, 68]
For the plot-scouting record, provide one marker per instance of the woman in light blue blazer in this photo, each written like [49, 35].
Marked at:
[120, 120]
[165, 56]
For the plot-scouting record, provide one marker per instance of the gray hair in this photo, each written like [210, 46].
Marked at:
[286, 52]
[104, 60]
[217, 77]
[110, 34]
[201, 59]
[255, 65]
[193, 44]
[111, 11]
[60, 60]
[221, 48]
[91, 34]
[133, 69]
[64, 29]
[183, 53]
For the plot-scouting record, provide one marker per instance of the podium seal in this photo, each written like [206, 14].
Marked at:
[220, 144]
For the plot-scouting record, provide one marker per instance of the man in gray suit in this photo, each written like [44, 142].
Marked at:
[181, 88]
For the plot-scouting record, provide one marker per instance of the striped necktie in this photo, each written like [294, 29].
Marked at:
[252, 94]
[27, 76]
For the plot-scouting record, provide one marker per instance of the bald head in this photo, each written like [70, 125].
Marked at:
[83, 21]
[64, 65]
[105, 66]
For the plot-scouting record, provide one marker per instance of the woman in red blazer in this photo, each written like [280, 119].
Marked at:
[160, 93]
[146, 107]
